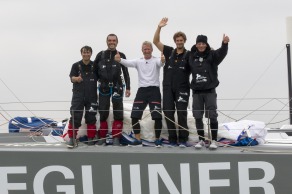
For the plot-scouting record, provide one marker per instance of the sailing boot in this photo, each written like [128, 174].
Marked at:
[116, 132]
[102, 133]
[71, 142]
[91, 132]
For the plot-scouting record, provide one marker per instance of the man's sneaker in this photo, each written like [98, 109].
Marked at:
[200, 144]
[90, 142]
[172, 144]
[213, 145]
[136, 143]
[158, 143]
[116, 141]
[70, 143]
[101, 142]
[182, 144]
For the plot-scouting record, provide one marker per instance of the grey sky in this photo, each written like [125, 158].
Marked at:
[40, 40]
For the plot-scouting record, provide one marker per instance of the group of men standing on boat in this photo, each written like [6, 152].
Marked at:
[104, 74]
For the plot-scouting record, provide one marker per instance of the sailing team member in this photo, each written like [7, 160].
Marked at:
[176, 89]
[111, 86]
[204, 67]
[83, 75]
[148, 68]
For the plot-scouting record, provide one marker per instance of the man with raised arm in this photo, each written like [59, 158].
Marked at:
[204, 67]
[176, 89]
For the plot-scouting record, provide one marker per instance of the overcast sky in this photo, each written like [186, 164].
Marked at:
[41, 39]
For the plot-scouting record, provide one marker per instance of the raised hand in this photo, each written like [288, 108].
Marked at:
[163, 22]
[225, 39]
[118, 57]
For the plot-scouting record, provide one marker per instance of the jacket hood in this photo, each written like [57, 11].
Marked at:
[195, 50]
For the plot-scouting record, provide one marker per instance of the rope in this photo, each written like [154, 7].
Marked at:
[242, 149]
[19, 99]
[255, 110]
[117, 134]
[225, 145]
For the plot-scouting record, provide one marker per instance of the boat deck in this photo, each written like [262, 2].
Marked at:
[50, 167]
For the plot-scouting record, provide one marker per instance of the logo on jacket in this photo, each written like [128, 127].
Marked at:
[169, 67]
[103, 66]
[116, 94]
[182, 93]
[91, 109]
[182, 67]
[200, 59]
[136, 108]
[180, 99]
[200, 78]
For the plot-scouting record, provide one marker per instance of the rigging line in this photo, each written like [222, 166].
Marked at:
[3, 115]
[250, 98]
[267, 124]
[280, 100]
[16, 96]
[255, 110]
[62, 101]
[5, 112]
[270, 121]
[259, 78]
[220, 143]
[4, 123]
[20, 102]
[278, 122]
[226, 116]
[57, 101]
[279, 112]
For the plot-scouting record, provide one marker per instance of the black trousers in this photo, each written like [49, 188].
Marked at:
[78, 104]
[176, 99]
[147, 95]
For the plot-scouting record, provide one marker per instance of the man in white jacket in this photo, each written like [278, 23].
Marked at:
[148, 68]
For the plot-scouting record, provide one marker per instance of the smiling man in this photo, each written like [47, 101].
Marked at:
[204, 67]
[176, 89]
[148, 68]
[111, 86]
[83, 75]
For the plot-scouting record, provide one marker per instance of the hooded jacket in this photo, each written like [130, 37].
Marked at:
[204, 67]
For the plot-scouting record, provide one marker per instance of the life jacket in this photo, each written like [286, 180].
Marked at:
[109, 71]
